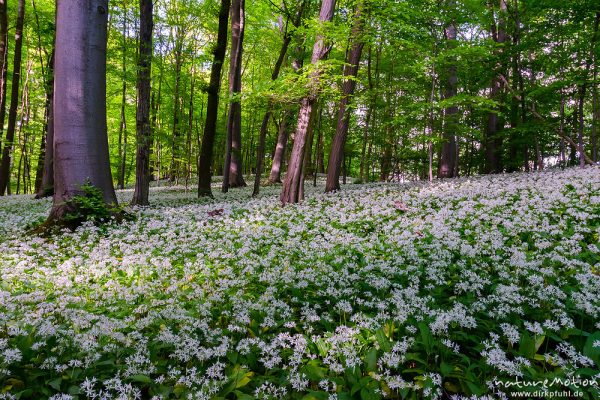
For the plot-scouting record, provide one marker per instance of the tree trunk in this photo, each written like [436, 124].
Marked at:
[260, 155]
[176, 133]
[279, 156]
[294, 184]
[123, 123]
[336, 156]
[493, 138]
[212, 106]
[232, 170]
[80, 136]
[448, 160]
[3, 63]
[14, 101]
[142, 120]
[582, 91]
[45, 186]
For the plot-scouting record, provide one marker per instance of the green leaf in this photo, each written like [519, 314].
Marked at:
[589, 350]
[141, 378]
[383, 340]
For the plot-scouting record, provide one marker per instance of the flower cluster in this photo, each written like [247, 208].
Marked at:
[474, 280]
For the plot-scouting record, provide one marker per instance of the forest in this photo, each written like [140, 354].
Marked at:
[299, 199]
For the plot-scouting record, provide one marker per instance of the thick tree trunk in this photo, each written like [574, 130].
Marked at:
[232, 171]
[80, 136]
[142, 120]
[336, 156]
[14, 101]
[3, 63]
[294, 184]
[212, 106]
[448, 158]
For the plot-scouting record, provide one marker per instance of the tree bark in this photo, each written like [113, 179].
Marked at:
[142, 120]
[14, 101]
[232, 171]
[123, 123]
[448, 159]
[493, 138]
[3, 63]
[80, 133]
[212, 106]
[336, 156]
[176, 133]
[260, 155]
[279, 156]
[46, 186]
[294, 184]
[582, 91]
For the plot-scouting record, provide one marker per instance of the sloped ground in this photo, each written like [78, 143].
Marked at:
[464, 288]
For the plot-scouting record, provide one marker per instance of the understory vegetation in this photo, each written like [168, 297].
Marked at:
[401, 291]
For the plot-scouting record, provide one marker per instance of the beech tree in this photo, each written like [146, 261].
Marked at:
[143, 132]
[80, 137]
[336, 156]
[14, 102]
[212, 106]
[293, 187]
[232, 170]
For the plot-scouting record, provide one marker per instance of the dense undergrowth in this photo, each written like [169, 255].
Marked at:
[467, 287]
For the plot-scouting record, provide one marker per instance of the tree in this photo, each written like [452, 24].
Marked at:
[14, 101]
[336, 156]
[212, 106]
[3, 62]
[293, 186]
[448, 160]
[143, 131]
[80, 136]
[287, 38]
[232, 170]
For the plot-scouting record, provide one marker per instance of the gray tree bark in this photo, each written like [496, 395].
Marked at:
[293, 187]
[14, 101]
[142, 120]
[212, 104]
[336, 155]
[232, 170]
[80, 136]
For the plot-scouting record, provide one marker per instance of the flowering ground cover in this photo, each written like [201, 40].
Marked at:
[467, 288]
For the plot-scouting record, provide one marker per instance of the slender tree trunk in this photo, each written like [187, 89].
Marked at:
[212, 106]
[176, 134]
[23, 134]
[3, 63]
[260, 155]
[142, 120]
[595, 114]
[336, 156]
[80, 133]
[294, 184]
[45, 170]
[448, 159]
[123, 123]
[582, 91]
[279, 156]
[493, 136]
[14, 101]
[233, 170]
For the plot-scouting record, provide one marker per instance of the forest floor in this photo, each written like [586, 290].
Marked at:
[474, 287]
